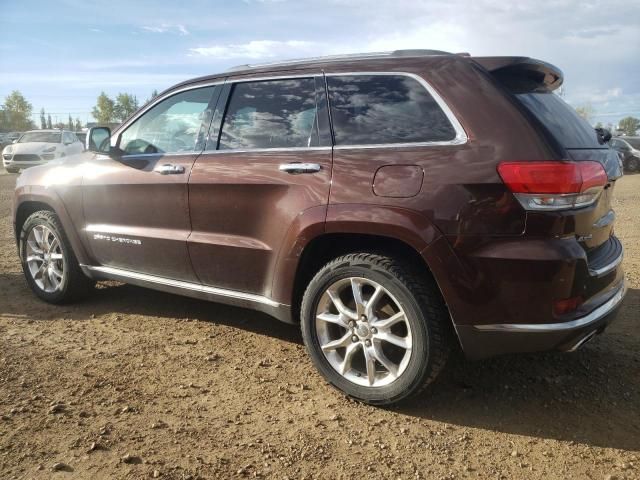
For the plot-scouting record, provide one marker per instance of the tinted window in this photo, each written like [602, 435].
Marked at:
[370, 109]
[271, 114]
[176, 124]
[568, 128]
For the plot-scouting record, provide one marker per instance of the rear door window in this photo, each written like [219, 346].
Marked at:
[562, 121]
[385, 109]
[271, 114]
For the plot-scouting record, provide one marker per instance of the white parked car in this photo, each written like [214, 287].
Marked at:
[37, 147]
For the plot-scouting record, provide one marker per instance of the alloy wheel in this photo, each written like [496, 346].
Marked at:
[363, 332]
[44, 258]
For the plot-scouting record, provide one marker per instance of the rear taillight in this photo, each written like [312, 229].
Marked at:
[566, 305]
[554, 185]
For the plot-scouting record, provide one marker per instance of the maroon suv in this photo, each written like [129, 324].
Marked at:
[393, 204]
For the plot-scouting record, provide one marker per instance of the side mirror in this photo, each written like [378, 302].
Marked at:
[98, 140]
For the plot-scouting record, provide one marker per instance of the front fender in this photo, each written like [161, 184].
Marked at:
[65, 201]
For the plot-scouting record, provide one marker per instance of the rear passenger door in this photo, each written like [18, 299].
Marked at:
[267, 161]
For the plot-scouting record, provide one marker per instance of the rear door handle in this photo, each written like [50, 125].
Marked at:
[296, 168]
[168, 169]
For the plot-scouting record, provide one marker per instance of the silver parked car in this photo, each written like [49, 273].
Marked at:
[37, 147]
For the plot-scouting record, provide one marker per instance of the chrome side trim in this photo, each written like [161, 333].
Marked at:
[124, 275]
[599, 272]
[461, 135]
[593, 317]
[267, 150]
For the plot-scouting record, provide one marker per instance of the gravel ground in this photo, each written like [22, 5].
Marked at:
[138, 384]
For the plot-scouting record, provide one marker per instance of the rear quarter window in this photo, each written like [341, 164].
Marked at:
[385, 109]
[562, 121]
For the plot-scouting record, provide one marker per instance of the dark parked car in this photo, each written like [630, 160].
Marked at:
[8, 139]
[392, 204]
[629, 149]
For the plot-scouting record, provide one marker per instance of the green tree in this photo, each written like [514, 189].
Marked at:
[103, 112]
[586, 111]
[43, 119]
[125, 105]
[17, 112]
[49, 121]
[70, 123]
[154, 94]
[78, 125]
[629, 125]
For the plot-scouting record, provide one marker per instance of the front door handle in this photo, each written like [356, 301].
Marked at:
[168, 169]
[296, 168]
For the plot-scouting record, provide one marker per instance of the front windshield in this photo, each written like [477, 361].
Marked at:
[41, 137]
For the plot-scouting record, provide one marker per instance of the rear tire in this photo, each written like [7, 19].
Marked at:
[48, 262]
[388, 346]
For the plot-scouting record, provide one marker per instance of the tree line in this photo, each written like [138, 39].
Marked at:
[16, 112]
[628, 125]
[108, 110]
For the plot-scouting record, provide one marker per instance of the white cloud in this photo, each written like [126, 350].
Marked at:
[167, 28]
[257, 49]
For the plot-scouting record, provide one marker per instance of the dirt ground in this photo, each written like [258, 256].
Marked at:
[138, 384]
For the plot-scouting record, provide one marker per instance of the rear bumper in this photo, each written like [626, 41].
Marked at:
[482, 341]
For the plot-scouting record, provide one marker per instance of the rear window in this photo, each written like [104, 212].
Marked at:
[385, 109]
[562, 121]
[271, 114]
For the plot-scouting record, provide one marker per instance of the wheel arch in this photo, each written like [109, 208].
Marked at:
[29, 204]
[324, 248]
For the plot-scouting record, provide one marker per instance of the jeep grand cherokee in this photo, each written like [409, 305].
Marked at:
[393, 204]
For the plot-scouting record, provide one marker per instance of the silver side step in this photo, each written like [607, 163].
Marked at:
[196, 290]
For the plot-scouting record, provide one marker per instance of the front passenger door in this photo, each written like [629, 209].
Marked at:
[136, 207]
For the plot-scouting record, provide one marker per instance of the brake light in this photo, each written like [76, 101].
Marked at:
[566, 305]
[554, 185]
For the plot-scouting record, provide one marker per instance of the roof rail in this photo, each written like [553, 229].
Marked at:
[343, 57]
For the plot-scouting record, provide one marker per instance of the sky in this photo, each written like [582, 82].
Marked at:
[61, 54]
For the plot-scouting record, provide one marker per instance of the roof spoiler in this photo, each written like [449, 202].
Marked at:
[522, 74]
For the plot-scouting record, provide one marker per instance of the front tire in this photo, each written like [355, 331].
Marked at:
[48, 262]
[633, 165]
[376, 328]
